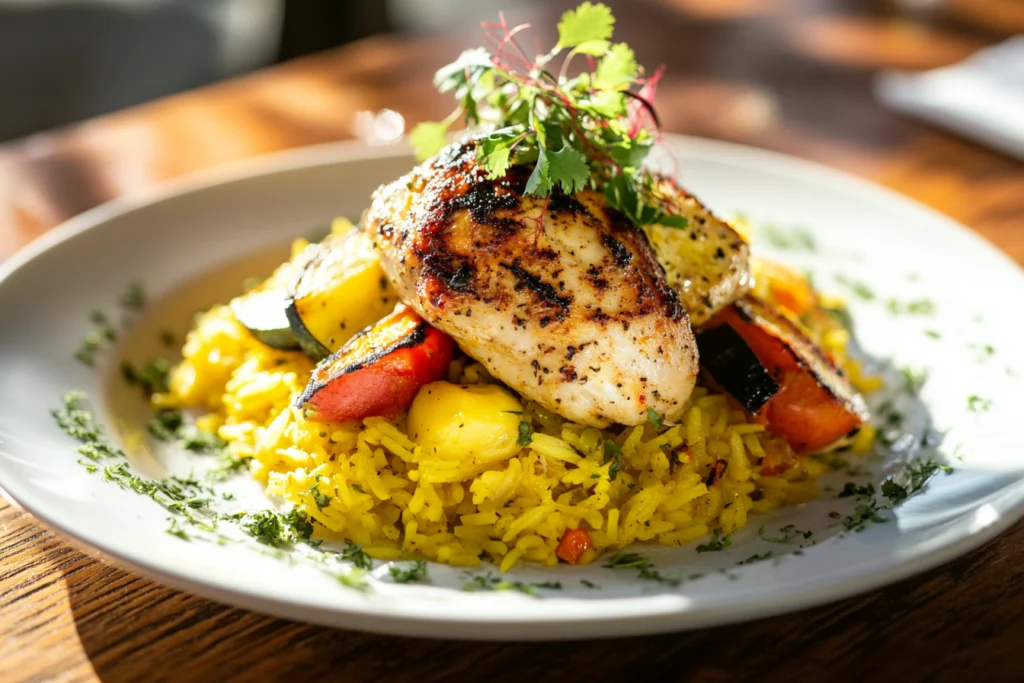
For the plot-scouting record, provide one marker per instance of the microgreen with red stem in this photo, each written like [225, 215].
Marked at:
[577, 132]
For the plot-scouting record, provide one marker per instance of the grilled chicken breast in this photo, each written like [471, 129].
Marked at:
[707, 262]
[561, 298]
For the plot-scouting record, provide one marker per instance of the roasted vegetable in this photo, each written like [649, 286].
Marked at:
[262, 309]
[735, 367]
[815, 407]
[478, 422]
[379, 371]
[707, 262]
[341, 290]
[574, 543]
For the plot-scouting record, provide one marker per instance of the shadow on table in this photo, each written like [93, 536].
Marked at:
[135, 630]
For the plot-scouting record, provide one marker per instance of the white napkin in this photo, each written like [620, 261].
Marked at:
[981, 97]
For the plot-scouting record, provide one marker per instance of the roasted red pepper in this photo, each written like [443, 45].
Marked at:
[379, 371]
[814, 405]
[574, 543]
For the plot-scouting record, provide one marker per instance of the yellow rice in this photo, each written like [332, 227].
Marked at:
[398, 501]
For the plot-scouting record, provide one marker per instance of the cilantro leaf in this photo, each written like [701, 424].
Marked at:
[568, 168]
[494, 151]
[617, 69]
[539, 182]
[654, 418]
[585, 24]
[594, 48]
[429, 138]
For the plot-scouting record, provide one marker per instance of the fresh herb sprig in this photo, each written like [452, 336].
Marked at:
[588, 130]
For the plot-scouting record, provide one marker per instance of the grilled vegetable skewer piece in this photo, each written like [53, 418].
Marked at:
[261, 310]
[340, 290]
[379, 371]
[707, 262]
[814, 408]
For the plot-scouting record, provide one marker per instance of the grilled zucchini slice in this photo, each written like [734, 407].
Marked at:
[341, 290]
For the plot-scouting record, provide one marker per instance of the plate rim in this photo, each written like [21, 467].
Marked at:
[372, 617]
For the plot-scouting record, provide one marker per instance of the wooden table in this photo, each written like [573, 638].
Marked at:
[783, 74]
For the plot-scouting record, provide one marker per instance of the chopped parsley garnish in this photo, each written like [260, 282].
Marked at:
[589, 584]
[134, 296]
[200, 440]
[321, 500]
[274, 528]
[525, 437]
[153, 377]
[355, 579]
[176, 529]
[654, 418]
[489, 582]
[861, 290]
[643, 565]
[915, 307]
[913, 479]
[789, 532]
[718, 542]
[584, 131]
[863, 515]
[852, 489]
[357, 487]
[86, 352]
[613, 454]
[977, 404]
[417, 571]
[932, 334]
[165, 424]
[757, 558]
[796, 239]
[353, 552]
[79, 424]
[915, 379]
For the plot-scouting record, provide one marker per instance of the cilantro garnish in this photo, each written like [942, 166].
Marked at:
[584, 131]
[417, 571]
[654, 418]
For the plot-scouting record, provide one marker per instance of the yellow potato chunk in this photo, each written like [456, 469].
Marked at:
[465, 423]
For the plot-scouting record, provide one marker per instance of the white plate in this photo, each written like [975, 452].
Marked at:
[175, 238]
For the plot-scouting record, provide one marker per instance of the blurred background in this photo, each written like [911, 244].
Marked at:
[63, 61]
